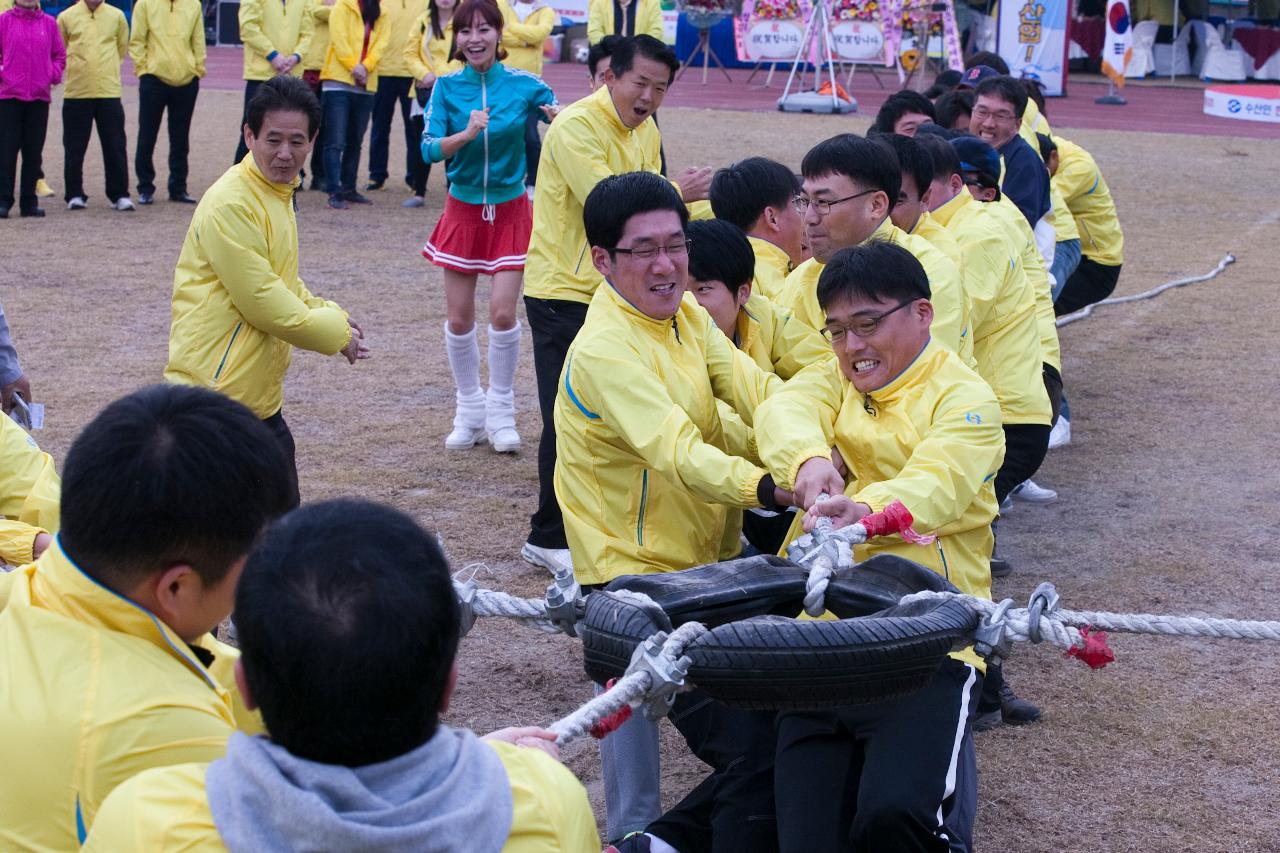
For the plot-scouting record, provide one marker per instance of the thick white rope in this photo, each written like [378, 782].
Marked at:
[631, 689]
[530, 611]
[1148, 294]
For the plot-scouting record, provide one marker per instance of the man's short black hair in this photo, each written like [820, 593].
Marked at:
[912, 157]
[899, 104]
[613, 201]
[1006, 89]
[719, 251]
[1047, 145]
[283, 94]
[952, 105]
[348, 627]
[941, 154]
[623, 58]
[601, 50]
[989, 59]
[741, 191]
[170, 475]
[943, 83]
[878, 271]
[864, 161]
[1035, 92]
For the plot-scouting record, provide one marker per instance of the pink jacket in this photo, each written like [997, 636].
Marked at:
[32, 56]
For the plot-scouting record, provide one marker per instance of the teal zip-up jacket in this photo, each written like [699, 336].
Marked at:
[489, 169]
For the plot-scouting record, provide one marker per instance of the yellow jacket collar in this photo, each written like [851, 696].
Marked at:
[887, 232]
[602, 100]
[249, 169]
[770, 253]
[920, 366]
[653, 324]
[944, 213]
[60, 586]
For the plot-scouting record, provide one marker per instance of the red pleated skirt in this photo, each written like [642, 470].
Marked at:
[465, 241]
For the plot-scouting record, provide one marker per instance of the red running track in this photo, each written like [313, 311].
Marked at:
[1151, 109]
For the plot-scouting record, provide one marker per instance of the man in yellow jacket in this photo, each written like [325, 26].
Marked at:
[239, 307]
[1079, 180]
[395, 87]
[914, 424]
[607, 133]
[850, 186]
[276, 35]
[29, 492]
[168, 50]
[646, 473]
[96, 36]
[107, 665]
[758, 196]
[624, 18]
[381, 773]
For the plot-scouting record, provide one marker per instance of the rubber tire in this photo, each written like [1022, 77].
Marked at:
[723, 592]
[877, 584]
[611, 628]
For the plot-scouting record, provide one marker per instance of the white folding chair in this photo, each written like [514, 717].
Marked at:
[1221, 62]
[1177, 54]
[1141, 62]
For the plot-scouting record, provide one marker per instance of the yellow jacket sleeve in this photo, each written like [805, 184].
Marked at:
[798, 423]
[550, 809]
[649, 19]
[739, 439]
[585, 150]
[306, 31]
[199, 48]
[237, 251]
[346, 34]
[251, 33]
[122, 38]
[532, 31]
[735, 378]
[415, 53]
[795, 346]
[17, 539]
[30, 493]
[597, 26]
[138, 38]
[1075, 177]
[947, 468]
[635, 403]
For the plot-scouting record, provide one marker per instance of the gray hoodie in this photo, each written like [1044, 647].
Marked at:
[449, 795]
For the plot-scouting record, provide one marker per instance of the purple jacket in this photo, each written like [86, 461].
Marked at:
[32, 56]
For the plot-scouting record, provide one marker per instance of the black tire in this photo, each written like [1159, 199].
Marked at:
[719, 593]
[878, 583]
[611, 628]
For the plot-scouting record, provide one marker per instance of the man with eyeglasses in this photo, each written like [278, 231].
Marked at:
[1000, 102]
[850, 186]
[914, 424]
[646, 475]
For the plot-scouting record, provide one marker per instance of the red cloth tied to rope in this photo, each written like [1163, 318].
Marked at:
[611, 723]
[1095, 651]
[895, 518]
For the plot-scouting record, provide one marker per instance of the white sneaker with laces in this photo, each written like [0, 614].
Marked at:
[124, 203]
[78, 203]
[554, 560]
[1031, 493]
[1060, 435]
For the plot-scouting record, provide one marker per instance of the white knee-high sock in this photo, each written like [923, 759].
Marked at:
[464, 361]
[504, 355]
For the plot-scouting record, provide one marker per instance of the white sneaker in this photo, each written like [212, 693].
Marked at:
[1031, 493]
[468, 424]
[505, 439]
[1007, 504]
[78, 203]
[124, 203]
[1060, 435]
[464, 437]
[554, 560]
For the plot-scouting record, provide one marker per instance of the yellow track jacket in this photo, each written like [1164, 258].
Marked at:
[1089, 199]
[1006, 338]
[274, 26]
[601, 23]
[773, 265]
[168, 809]
[95, 690]
[97, 42]
[584, 145]
[931, 438]
[951, 322]
[346, 41]
[1033, 266]
[318, 49]
[168, 40]
[239, 306]
[932, 230]
[523, 39]
[424, 53]
[29, 494]
[400, 15]
[644, 472]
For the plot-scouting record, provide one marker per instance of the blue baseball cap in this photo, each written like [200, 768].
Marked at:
[980, 158]
[976, 75]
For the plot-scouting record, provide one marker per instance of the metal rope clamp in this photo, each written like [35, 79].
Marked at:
[1043, 602]
[990, 639]
[466, 606]
[666, 677]
[565, 604]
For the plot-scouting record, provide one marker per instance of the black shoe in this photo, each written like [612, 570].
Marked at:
[34, 213]
[1015, 711]
[146, 198]
[375, 185]
[183, 197]
[337, 202]
[1000, 568]
[355, 197]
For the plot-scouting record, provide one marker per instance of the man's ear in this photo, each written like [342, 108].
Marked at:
[770, 219]
[174, 591]
[242, 684]
[924, 311]
[248, 136]
[451, 686]
[881, 205]
[956, 183]
[602, 260]
[744, 293]
[609, 77]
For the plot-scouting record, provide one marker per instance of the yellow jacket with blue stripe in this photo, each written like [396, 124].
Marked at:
[268, 27]
[29, 494]
[96, 689]
[168, 809]
[931, 438]
[239, 306]
[644, 471]
[1002, 305]
[950, 305]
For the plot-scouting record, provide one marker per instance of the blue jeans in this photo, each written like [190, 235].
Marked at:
[1066, 257]
[346, 118]
[392, 91]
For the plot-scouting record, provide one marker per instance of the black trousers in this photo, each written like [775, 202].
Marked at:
[250, 87]
[391, 91]
[1091, 282]
[1053, 387]
[23, 125]
[280, 429]
[154, 97]
[532, 148]
[421, 168]
[875, 777]
[79, 115]
[1024, 448]
[732, 810]
[554, 324]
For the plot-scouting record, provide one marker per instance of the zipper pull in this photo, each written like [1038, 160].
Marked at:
[676, 327]
[868, 404]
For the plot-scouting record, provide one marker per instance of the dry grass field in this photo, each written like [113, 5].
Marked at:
[1169, 492]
